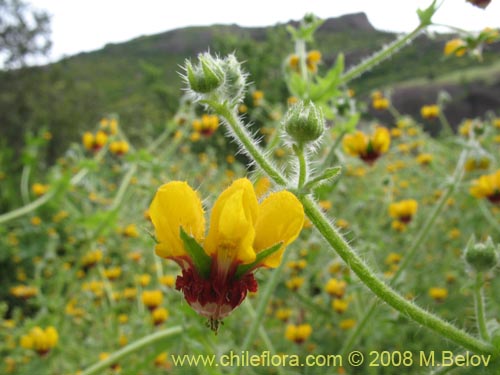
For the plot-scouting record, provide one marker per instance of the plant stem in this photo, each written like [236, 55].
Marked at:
[337, 242]
[245, 140]
[99, 367]
[299, 151]
[380, 56]
[384, 291]
[479, 303]
[18, 212]
[412, 250]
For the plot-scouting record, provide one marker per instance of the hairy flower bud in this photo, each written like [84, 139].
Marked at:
[304, 123]
[206, 76]
[481, 256]
[235, 82]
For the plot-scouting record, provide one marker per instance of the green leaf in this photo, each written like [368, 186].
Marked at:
[258, 259]
[201, 260]
[327, 175]
[425, 15]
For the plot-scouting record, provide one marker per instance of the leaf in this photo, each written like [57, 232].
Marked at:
[258, 259]
[201, 260]
[327, 175]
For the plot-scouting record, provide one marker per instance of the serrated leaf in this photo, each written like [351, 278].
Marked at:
[258, 259]
[201, 260]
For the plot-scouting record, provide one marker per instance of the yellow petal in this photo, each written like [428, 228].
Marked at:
[281, 218]
[231, 232]
[381, 140]
[355, 144]
[176, 204]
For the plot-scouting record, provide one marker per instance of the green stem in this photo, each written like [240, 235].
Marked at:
[479, 303]
[416, 244]
[300, 50]
[337, 242]
[330, 158]
[384, 291]
[100, 367]
[245, 140]
[488, 215]
[445, 123]
[380, 56]
[21, 211]
[299, 151]
[25, 176]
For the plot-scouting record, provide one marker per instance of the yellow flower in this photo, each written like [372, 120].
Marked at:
[112, 273]
[367, 148]
[40, 340]
[168, 280]
[403, 210]
[283, 314]
[438, 294]
[336, 287]
[347, 324]
[159, 315]
[294, 62]
[39, 189]
[380, 103]
[477, 163]
[152, 298]
[430, 112]
[298, 333]
[258, 97]
[456, 47]
[217, 274]
[424, 159]
[23, 291]
[207, 125]
[94, 142]
[91, 258]
[487, 186]
[312, 60]
[119, 147]
[130, 231]
[340, 305]
[294, 283]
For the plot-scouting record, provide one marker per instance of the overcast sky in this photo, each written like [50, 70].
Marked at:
[85, 25]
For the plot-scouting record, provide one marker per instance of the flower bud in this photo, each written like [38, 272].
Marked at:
[304, 123]
[206, 76]
[481, 256]
[235, 79]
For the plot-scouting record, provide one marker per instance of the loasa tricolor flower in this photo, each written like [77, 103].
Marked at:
[217, 269]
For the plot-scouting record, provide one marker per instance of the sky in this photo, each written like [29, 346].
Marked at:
[86, 25]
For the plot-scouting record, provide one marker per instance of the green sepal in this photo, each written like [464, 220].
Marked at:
[202, 262]
[244, 268]
[328, 175]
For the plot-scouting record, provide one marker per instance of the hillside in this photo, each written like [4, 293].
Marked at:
[139, 79]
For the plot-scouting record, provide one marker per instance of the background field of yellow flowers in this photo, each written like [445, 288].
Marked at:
[81, 280]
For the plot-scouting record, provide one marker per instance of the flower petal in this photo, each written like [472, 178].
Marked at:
[231, 232]
[176, 204]
[281, 217]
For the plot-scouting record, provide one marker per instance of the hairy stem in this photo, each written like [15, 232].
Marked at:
[479, 303]
[339, 244]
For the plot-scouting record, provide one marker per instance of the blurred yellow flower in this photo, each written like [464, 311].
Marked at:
[298, 333]
[487, 186]
[40, 340]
